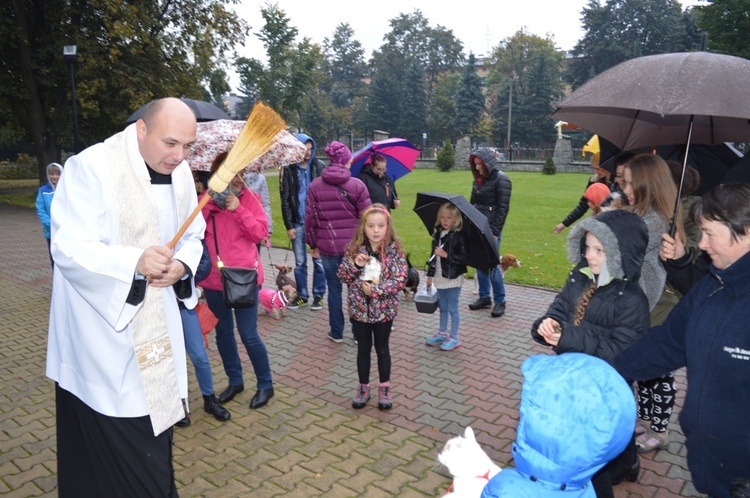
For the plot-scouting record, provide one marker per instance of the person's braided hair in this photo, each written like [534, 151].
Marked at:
[583, 304]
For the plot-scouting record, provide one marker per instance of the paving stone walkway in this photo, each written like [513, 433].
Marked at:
[308, 441]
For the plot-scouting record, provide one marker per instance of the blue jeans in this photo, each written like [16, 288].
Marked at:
[495, 278]
[300, 269]
[335, 295]
[247, 326]
[191, 328]
[448, 300]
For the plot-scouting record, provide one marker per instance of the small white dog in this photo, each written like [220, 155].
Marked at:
[469, 465]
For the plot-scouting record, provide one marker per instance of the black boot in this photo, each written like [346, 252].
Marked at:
[212, 406]
[481, 304]
[184, 422]
[498, 310]
[261, 398]
[229, 393]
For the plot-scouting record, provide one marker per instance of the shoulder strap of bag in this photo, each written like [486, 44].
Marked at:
[346, 195]
[219, 262]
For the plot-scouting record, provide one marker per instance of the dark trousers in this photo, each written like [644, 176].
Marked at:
[615, 471]
[366, 334]
[100, 456]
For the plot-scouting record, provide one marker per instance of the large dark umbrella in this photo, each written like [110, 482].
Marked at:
[652, 100]
[679, 98]
[482, 246]
[204, 111]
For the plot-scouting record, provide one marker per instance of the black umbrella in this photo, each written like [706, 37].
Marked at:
[204, 111]
[482, 246]
[679, 98]
[713, 162]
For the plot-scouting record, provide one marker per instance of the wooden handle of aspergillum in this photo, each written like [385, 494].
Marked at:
[204, 200]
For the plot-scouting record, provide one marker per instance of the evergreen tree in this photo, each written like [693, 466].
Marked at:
[441, 114]
[624, 29]
[727, 24]
[446, 158]
[412, 119]
[469, 99]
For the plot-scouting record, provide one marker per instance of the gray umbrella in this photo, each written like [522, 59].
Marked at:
[204, 111]
[652, 100]
[681, 98]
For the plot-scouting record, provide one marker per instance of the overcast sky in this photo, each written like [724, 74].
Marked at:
[479, 24]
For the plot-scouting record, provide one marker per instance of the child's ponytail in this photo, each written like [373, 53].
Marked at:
[583, 304]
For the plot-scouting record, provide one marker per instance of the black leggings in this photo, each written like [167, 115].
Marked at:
[364, 334]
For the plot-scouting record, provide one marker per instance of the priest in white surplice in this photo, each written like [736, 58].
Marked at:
[116, 349]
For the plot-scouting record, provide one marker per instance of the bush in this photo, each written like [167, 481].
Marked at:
[23, 169]
[446, 158]
[549, 167]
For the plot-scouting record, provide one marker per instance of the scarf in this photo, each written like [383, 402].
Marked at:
[139, 227]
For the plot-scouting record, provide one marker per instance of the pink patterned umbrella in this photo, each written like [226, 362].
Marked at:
[215, 137]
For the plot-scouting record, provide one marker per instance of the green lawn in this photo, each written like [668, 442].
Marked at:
[538, 203]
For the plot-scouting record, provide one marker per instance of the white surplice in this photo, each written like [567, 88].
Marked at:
[90, 348]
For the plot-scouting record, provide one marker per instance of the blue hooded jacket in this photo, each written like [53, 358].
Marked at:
[44, 200]
[577, 414]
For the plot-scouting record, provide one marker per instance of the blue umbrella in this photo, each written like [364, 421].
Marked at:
[399, 153]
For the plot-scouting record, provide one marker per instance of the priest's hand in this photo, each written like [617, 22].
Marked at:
[175, 271]
[154, 261]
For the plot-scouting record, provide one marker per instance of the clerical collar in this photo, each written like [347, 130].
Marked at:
[158, 178]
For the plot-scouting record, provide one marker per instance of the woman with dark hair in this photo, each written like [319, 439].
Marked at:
[707, 333]
[490, 194]
[235, 219]
[380, 186]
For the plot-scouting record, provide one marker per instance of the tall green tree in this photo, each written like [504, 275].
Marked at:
[441, 112]
[346, 66]
[293, 69]
[528, 69]
[727, 24]
[130, 52]
[623, 29]
[412, 119]
[410, 39]
[469, 99]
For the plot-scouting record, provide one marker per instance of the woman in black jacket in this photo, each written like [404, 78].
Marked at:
[490, 194]
[380, 186]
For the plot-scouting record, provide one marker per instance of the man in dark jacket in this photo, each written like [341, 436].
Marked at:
[707, 333]
[380, 186]
[295, 179]
[490, 194]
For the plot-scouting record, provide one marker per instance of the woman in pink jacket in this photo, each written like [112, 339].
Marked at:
[236, 218]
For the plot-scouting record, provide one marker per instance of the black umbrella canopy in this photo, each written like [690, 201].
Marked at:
[712, 161]
[482, 246]
[652, 100]
[204, 111]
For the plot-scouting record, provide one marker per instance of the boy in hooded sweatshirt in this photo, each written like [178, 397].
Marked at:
[601, 309]
[44, 200]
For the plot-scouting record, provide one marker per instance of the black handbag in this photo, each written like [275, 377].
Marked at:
[240, 285]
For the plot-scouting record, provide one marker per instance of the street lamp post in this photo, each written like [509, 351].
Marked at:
[70, 57]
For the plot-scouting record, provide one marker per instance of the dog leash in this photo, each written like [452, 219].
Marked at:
[270, 258]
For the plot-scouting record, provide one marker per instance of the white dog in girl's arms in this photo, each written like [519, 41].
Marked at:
[469, 465]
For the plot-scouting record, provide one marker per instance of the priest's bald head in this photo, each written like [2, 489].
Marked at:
[166, 133]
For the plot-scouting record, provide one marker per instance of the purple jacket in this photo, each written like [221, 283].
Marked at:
[331, 219]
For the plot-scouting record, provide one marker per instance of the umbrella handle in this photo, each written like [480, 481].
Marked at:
[673, 224]
[433, 255]
[188, 221]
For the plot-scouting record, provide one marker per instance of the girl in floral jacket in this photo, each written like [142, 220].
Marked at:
[374, 268]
